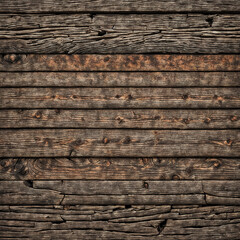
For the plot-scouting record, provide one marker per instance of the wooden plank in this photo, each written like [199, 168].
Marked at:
[65, 192]
[120, 168]
[87, 98]
[126, 62]
[142, 119]
[119, 33]
[121, 222]
[119, 143]
[119, 79]
[33, 6]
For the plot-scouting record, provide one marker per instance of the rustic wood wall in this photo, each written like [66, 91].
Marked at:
[120, 119]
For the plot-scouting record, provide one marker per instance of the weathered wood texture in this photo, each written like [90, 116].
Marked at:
[111, 6]
[164, 222]
[117, 62]
[120, 79]
[82, 192]
[120, 168]
[116, 118]
[119, 143]
[89, 98]
[119, 33]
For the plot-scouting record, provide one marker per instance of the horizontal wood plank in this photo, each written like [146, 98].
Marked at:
[120, 222]
[126, 62]
[120, 79]
[33, 6]
[119, 143]
[88, 98]
[119, 192]
[120, 168]
[119, 33]
[146, 119]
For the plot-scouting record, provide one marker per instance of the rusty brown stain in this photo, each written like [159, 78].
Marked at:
[120, 62]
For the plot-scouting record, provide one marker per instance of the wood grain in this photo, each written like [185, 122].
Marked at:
[117, 118]
[126, 62]
[119, 79]
[120, 168]
[33, 6]
[119, 143]
[119, 33]
[88, 98]
[119, 192]
[120, 222]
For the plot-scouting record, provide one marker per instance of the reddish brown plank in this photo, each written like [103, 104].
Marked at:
[134, 62]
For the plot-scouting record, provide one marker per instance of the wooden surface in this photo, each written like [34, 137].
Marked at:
[119, 33]
[119, 120]
[111, 6]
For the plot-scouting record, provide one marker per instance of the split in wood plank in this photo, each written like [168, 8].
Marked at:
[120, 222]
[119, 33]
[82, 192]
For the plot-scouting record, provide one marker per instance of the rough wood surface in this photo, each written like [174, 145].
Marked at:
[119, 143]
[89, 98]
[119, 79]
[164, 222]
[124, 62]
[119, 33]
[111, 6]
[116, 118]
[120, 168]
[82, 192]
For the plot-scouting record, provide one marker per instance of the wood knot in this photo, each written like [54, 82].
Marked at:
[127, 140]
[11, 58]
[120, 119]
[38, 115]
[207, 120]
[106, 59]
[129, 97]
[102, 33]
[218, 98]
[233, 118]
[77, 142]
[175, 177]
[216, 164]
[74, 97]
[185, 96]
[47, 142]
[186, 120]
[228, 142]
[117, 96]
[145, 185]
[105, 140]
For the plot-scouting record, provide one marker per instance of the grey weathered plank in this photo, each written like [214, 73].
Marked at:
[119, 143]
[119, 79]
[119, 192]
[33, 6]
[119, 98]
[119, 62]
[120, 222]
[119, 33]
[104, 118]
[120, 168]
